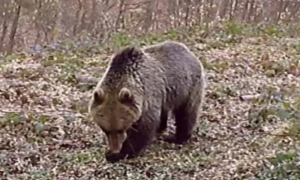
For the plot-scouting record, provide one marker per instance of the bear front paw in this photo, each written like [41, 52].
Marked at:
[175, 140]
[114, 157]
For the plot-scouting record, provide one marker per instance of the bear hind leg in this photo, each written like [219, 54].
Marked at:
[163, 122]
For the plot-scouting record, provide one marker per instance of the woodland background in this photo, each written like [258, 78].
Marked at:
[26, 23]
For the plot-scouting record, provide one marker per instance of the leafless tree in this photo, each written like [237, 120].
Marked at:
[24, 23]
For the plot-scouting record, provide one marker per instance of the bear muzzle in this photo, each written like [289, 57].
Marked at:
[115, 141]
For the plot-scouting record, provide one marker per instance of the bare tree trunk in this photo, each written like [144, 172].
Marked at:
[208, 11]
[148, 16]
[93, 25]
[235, 6]
[200, 16]
[37, 21]
[259, 15]
[282, 7]
[77, 17]
[231, 10]
[251, 11]
[245, 10]
[222, 8]
[119, 17]
[58, 21]
[293, 12]
[187, 12]
[3, 34]
[14, 27]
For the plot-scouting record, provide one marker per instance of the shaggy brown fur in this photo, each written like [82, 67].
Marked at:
[140, 86]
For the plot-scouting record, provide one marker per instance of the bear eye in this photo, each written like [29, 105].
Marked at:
[104, 130]
[107, 132]
[100, 115]
[119, 131]
[113, 132]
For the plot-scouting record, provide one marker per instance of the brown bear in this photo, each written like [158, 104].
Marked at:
[139, 88]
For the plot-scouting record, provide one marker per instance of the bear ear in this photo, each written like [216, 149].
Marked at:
[98, 96]
[125, 96]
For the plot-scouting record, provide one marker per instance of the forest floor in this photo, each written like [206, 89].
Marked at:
[249, 128]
